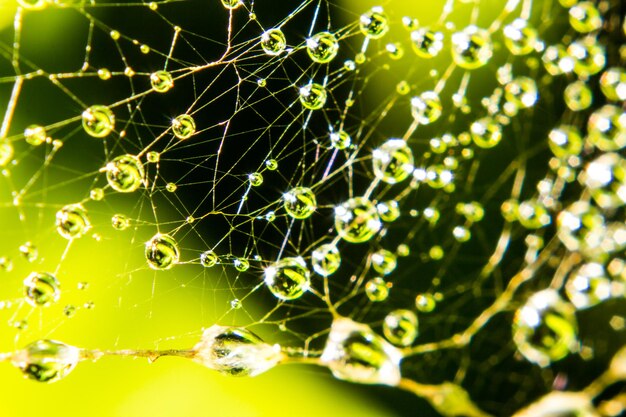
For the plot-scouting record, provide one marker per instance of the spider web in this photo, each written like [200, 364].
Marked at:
[204, 190]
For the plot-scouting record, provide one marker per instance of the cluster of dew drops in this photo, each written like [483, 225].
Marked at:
[587, 155]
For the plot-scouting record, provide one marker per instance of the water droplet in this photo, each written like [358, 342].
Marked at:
[235, 351]
[613, 84]
[273, 42]
[393, 161]
[72, 221]
[606, 128]
[486, 132]
[153, 157]
[357, 220]
[556, 60]
[98, 121]
[520, 37]
[471, 47]
[241, 264]
[6, 153]
[322, 47]
[589, 56]
[232, 4]
[374, 24]
[170, 187]
[161, 81]
[383, 261]
[104, 74]
[313, 96]
[605, 177]
[29, 251]
[183, 126]
[425, 302]
[581, 227]
[401, 327]
[125, 173]
[578, 96]
[115, 35]
[96, 194]
[33, 4]
[271, 164]
[377, 289]
[300, 202]
[69, 311]
[340, 140]
[326, 259]
[6, 264]
[584, 17]
[35, 135]
[162, 252]
[545, 328]
[288, 278]
[353, 352]
[46, 360]
[41, 289]
[426, 43]
[521, 92]
[588, 285]
[208, 259]
[255, 179]
[426, 108]
[565, 141]
[389, 211]
[120, 222]
[533, 215]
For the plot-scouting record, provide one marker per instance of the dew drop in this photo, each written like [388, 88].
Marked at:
[426, 43]
[326, 259]
[377, 289]
[425, 302]
[374, 24]
[605, 177]
[125, 173]
[255, 179]
[300, 202]
[241, 264]
[472, 47]
[353, 352]
[72, 221]
[232, 4]
[6, 153]
[208, 259]
[98, 121]
[401, 327]
[322, 47]
[313, 96]
[383, 261]
[426, 108]
[545, 328]
[340, 140]
[120, 222]
[578, 96]
[288, 278]
[519, 37]
[486, 132]
[35, 135]
[606, 128]
[183, 126]
[46, 360]
[273, 42]
[41, 289]
[613, 84]
[162, 252]
[161, 81]
[393, 161]
[357, 220]
[235, 351]
[588, 285]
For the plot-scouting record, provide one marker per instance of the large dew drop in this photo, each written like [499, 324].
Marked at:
[72, 221]
[374, 24]
[605, 177]
[401, 327]
[300, 202]
[273, 42]
[545, 328]
[393, 161]
[41, 289]
[471, 47]
[183, 126]
[125, 173]
[46, 360]
[288, 278]
[357, 220]
[326, 259]
[98, 121]
[322, 47]
[354, 353]
[235, 351]
[162, 252]
[426, 43]
[313, 96]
